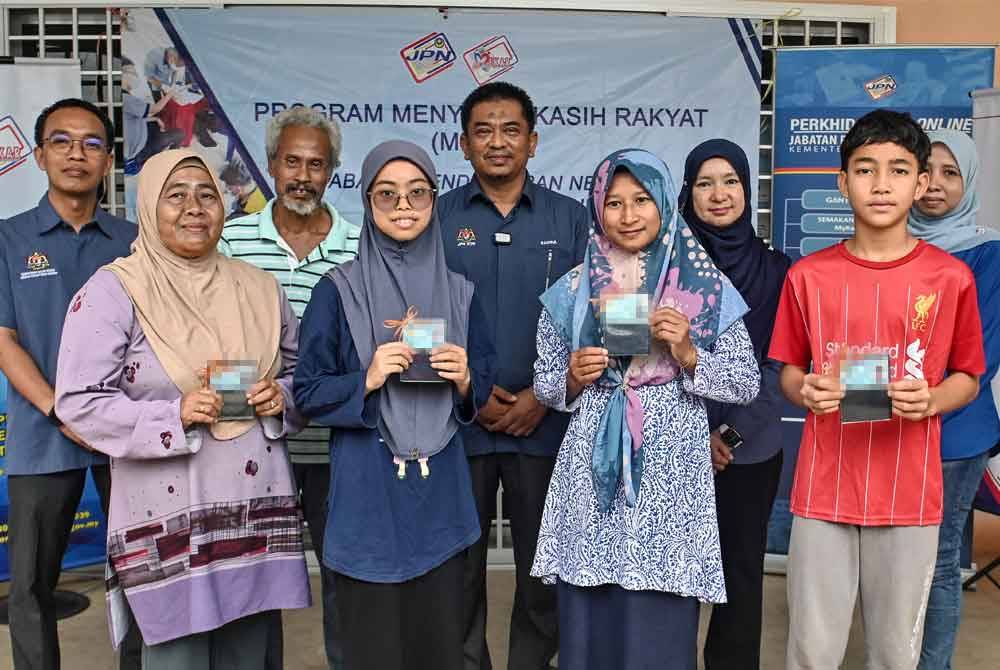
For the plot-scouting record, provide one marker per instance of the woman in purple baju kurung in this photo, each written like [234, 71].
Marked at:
[205, 534]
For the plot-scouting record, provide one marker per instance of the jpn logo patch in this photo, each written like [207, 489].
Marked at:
[466, 238]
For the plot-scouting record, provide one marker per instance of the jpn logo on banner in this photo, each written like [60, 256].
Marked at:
[880, 87]
[430, 55]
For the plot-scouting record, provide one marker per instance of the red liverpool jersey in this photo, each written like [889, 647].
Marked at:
[921, 311]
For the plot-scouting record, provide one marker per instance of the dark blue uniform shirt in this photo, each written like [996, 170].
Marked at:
[547, 235]
[43, 263]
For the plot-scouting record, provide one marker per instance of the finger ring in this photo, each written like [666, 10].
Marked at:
[274, 403]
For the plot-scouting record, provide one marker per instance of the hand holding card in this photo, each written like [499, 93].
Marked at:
[452, 364]
[423, 336]
[866, 389]
[232, 379]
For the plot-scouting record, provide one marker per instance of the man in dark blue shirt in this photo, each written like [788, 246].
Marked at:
[46, 255]
[513, 239]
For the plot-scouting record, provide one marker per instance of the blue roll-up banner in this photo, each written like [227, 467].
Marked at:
[818, 94]
[87, 538]
[385, 73]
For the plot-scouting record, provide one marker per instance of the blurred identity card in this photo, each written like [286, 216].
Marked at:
[625, 324]
[232, 380]
[866, 382]
[423, 335]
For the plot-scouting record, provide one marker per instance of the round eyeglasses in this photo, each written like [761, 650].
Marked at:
[387, 200]
[63, 144]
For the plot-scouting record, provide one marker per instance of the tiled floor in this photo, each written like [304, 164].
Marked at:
[85, 643]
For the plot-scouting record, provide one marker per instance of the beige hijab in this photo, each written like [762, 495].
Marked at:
[196, 310]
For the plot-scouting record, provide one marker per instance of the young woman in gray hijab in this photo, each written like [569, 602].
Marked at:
[401, 509]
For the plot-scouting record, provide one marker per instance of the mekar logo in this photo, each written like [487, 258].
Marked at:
[880, 87]
[429, 56]
[490, 59]
[15, 148]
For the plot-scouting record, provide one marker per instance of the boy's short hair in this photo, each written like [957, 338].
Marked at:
[75, 103]
[498, 90]
[884, 126]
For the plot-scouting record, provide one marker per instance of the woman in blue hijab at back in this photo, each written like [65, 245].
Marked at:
[629, 533]
[948, 216]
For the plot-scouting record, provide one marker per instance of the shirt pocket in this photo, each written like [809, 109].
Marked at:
[543, 266]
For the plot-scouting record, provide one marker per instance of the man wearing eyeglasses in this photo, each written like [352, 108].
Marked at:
[46, 255]
[298, 237]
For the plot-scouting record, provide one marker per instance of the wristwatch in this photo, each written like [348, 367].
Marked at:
[53, 419]
[730, 436]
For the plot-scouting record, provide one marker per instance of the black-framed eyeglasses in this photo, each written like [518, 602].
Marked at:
[63, 144]
[387, 200]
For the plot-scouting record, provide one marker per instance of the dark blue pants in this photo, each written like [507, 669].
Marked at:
[604, 627]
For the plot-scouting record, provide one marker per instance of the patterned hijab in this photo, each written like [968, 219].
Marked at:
[677, 272]
[957, 230]
[381, 285]
[201, 309]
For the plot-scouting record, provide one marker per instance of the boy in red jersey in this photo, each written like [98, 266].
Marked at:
[867, 496]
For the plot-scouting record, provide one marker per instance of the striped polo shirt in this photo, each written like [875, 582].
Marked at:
[255, 239]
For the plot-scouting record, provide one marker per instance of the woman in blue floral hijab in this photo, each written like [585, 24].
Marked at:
[629, 531]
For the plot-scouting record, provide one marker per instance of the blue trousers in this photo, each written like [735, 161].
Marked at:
[607, 627]
[944, 606]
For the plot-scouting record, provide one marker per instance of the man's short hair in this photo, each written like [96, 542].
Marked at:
[75, 103]
[884, 126]
[498, 90]
[303, 116]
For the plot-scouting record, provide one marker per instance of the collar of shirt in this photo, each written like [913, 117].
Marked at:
[49, 218]
[528, 194]
[337, 240]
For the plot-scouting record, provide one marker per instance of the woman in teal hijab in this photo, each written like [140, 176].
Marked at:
[949, 216]
[629, 532]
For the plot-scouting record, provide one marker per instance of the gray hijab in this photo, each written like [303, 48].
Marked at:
[388, 277]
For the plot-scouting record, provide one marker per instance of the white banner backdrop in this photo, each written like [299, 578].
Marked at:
[986, 132]
[601, 81]
[35, 84]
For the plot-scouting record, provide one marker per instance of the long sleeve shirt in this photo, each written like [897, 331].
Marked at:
[975, 428]
[201, 531]
[669, 541]
[759, 422]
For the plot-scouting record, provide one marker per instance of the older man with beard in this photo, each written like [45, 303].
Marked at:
[298, 237]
